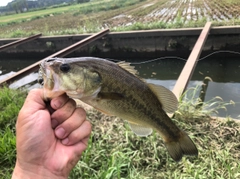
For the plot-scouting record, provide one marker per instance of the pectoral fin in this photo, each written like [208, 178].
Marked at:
[140, 130]
[110, 96]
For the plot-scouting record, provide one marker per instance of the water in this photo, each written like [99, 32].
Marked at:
[10, 66]
[225, 75]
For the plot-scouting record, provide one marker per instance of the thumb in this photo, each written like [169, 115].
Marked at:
[34, 101]
[33, 105]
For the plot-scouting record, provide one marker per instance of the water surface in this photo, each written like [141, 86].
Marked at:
[225, 75]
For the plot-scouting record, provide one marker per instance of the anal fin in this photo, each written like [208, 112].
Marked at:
[140, 130]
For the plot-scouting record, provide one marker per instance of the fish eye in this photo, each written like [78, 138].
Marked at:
[65, 68]
[40, 81]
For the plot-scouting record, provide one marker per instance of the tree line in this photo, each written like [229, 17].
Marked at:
[20, 6]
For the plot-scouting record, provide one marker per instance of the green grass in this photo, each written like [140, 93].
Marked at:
[114, 152]
[18, 18]
[74, 19]
[10, 104]
[76, 9]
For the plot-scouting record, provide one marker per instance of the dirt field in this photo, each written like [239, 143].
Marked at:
[172, 13]
[169, 11]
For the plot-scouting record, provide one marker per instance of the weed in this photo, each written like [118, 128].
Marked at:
[191, 106]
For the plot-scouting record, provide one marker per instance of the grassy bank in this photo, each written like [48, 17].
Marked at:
[115, 152]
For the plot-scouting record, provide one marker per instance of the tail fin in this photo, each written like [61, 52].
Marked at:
[184, 146]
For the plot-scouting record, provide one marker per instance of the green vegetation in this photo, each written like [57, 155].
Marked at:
[10, 104]
[176, 24]
[33, 15]
[79, 9]
[115, 152]
[120, 15]
[74, 19]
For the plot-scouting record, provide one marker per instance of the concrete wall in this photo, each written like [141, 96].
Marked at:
[134, 44]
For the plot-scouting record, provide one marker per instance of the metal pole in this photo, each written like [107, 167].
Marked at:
[19, 42]
[191, 63]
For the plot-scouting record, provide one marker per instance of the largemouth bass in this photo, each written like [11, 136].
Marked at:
[115, 89]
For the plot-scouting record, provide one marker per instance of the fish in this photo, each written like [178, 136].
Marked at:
[116, 89]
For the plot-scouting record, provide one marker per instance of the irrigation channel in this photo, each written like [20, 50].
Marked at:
[224, 74]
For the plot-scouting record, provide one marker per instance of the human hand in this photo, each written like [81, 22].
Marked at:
[49, 145]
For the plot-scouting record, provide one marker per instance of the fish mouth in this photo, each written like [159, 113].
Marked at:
[46, 76]
[50, 80]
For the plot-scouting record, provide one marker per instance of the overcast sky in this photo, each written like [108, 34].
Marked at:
[4, 2]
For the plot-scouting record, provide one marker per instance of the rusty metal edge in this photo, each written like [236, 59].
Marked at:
[191, 63]
[34, 67]
[19, 42]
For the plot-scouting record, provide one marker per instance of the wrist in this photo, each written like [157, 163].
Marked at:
[36, 172]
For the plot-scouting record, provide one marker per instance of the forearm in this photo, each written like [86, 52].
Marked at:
[34, 173]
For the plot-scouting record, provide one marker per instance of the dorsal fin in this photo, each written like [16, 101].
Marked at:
[166, 97]
[126, 66]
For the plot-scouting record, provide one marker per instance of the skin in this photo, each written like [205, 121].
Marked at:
[49, 145]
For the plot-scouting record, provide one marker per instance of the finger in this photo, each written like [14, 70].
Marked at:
[60, 101]
[83, 132]
[63, 113]
[72, 123]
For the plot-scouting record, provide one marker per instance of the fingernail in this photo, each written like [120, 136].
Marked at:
[60, 132]
[54, 123]
[65, 141]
